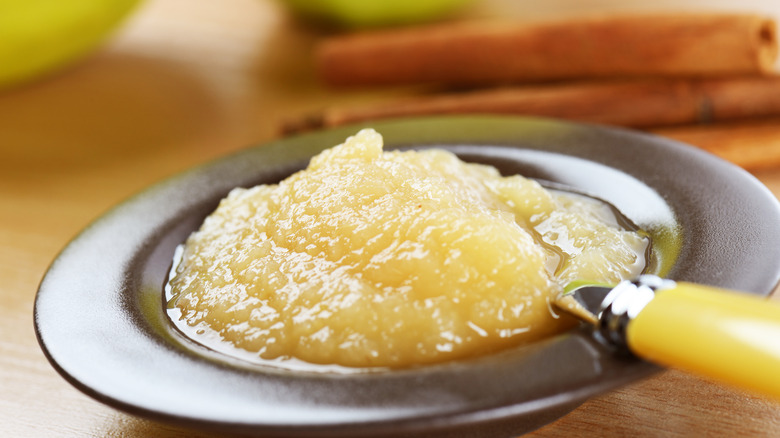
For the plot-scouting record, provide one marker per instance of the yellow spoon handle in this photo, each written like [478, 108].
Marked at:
[731, 337]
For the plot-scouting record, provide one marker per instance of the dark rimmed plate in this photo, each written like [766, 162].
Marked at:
[100, 320]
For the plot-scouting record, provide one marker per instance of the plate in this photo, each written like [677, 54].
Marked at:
[100, 320]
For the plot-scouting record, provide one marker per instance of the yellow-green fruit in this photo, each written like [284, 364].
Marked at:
[40, 36]
[374, 13]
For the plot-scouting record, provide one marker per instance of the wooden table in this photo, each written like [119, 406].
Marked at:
[186, 81]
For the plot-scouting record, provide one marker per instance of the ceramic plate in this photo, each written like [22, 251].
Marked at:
[100, 319]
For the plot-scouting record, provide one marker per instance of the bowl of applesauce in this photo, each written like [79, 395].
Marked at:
[392, 278]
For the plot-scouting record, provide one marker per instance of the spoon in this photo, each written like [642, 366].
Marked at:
[731, 337]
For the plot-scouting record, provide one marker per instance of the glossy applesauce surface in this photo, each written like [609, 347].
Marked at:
[392, 259]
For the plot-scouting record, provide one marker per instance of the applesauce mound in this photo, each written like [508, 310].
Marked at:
[390, 259]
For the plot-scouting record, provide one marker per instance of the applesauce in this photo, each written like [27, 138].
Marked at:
[392, 259]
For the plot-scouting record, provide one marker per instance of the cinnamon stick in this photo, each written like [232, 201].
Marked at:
[753, 145]
[637, 104]
[489, 53]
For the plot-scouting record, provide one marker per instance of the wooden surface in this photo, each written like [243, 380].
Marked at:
[186, 81]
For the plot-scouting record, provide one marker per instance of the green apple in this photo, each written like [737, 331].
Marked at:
[373, 13]
[40, 36]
